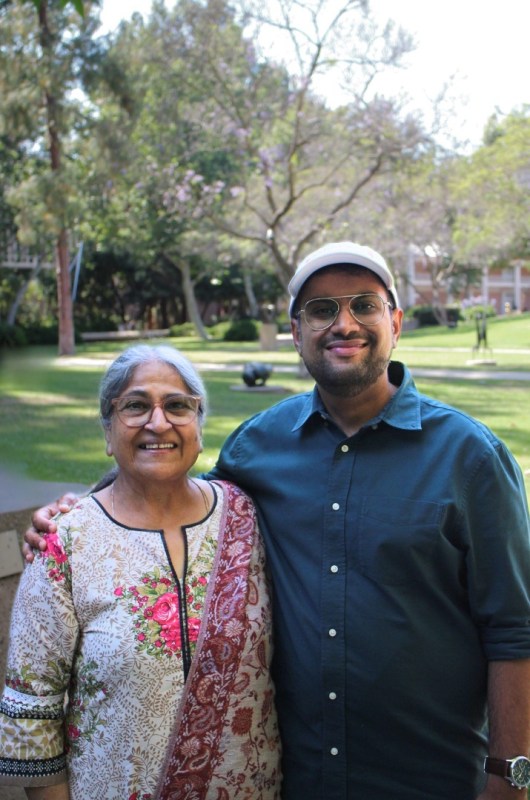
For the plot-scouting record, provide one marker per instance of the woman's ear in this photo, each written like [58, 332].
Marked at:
[108, 448]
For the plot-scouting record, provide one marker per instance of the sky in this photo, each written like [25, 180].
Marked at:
[483, 45]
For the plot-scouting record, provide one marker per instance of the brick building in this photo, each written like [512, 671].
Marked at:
[506, 289]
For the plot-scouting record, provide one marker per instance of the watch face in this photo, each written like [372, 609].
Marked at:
[521, 772]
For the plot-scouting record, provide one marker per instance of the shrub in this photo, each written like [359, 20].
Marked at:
[184, 329]
[425, 315]
[470, 313]
[242, 330]
[45, 334]
[218, 330]
[42, 334]
[12, 335]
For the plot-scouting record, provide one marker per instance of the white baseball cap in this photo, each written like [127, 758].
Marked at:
[341, 253]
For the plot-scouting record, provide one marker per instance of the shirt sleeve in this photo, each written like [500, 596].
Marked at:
[498, 558]
[43, 637]
[226, 468]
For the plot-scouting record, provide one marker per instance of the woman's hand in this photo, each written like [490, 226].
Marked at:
[58, 792]
[43, 522]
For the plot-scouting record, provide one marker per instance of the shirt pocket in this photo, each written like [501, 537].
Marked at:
[398, 538]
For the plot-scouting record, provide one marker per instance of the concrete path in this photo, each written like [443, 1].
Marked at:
[420, 372]
[470, 374]
[18, 492]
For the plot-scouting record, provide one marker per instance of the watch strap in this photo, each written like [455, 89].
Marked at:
[498, 766]
[514, 770]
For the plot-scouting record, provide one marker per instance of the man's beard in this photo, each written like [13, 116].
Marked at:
[353, 378]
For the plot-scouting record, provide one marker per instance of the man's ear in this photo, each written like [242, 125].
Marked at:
[295, 330]
[397, 321]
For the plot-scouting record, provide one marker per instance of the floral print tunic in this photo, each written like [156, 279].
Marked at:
[102, 638]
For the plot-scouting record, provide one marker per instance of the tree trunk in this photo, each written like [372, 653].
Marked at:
[191, 302]
[249, 291]
[13, 311]
[64, 295]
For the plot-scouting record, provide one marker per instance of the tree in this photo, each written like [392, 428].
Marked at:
[491, 193]
[53, 97]
[144, 168]
[303, 164]
[50, 49]
[77, 4]
[411, 217]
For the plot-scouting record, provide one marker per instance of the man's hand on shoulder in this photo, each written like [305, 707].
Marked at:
[43, 522]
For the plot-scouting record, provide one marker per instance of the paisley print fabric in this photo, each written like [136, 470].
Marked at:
[225, 742]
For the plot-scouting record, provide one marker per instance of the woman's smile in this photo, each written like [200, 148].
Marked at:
[157, 446]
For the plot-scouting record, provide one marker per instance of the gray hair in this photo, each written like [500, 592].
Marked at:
[119, 374]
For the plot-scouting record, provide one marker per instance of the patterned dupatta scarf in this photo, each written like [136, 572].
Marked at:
[225, 742]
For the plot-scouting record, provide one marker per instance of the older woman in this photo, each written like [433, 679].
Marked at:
[139, 656]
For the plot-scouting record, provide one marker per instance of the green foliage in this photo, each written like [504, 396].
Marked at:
[471, 312]
[77, 4]
[490, 193]
[184, 329]
[242, 330]
[191, 162]
[426, 315]
[42, 333]
[218, 330]
[12, 336]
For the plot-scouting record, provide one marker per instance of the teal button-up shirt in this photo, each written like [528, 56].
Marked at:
[400, 562]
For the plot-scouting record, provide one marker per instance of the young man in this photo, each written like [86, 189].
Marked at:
[397, 537]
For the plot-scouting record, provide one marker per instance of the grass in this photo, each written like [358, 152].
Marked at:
[49, 428]
[508, 337]
[507, 331]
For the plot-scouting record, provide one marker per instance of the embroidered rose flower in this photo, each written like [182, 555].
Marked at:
[73, 732]
[172, 637]
[56, 556]
[166, 609]
[155, 605]
[55, 549]
[194, 625]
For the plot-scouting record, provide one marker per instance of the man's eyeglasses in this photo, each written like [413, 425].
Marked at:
[321, 313]
[136, 410]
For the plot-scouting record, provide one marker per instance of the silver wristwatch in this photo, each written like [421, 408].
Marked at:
[515, 770]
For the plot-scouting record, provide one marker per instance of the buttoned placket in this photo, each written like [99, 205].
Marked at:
[333, 622]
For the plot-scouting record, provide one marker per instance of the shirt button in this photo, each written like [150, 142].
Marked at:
[332, 696]
[335, 506]
[375, 427]
[333, 568]
[345, 448]
[334, 751]
[332, 632]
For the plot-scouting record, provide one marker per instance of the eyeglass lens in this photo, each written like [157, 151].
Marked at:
[179, 409]
[365, 308]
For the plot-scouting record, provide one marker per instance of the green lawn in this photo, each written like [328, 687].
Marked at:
[49, 428]
[508, 338]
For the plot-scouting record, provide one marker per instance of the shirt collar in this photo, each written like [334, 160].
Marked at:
[402, 411]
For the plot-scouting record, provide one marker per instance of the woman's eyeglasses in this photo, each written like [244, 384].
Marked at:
[136, 410]
[321, 313]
